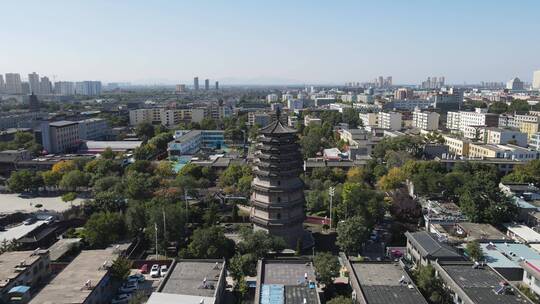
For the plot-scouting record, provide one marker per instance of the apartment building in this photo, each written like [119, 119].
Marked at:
[166, 117]
[480, 117]
[311, 121]
[425, 120]
[389, 120]
[60, 136]
[500, 136]
[529, 128]
[502, 151]
[369, 119]
[534, 141]
[457, 146]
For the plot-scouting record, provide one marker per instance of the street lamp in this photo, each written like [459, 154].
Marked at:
[331, 192]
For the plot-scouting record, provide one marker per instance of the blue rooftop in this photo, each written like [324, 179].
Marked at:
[273, 294]
[507, 255]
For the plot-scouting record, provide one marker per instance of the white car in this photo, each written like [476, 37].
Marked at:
[154, 271]
[122, 298]
[164, 270]
[129, 287]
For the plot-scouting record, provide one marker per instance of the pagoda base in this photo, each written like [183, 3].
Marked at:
[291, 235]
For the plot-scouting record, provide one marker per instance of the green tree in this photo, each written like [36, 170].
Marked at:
[527, 173]
[259, 243]
[351, 234]
[108, 153]
[140, 185]
[474, 251]
[358, 200]
[161, 141]
[174, 218]
[327, 268]
[51, 178]
[69, 197]
[22, 180]
[210, 243]
[482, 201]
[145, 131]
[121, 268]
[431, 286]
[340, 300]
[498, 108]
[73, 180]
[104, 228]
[350, 116]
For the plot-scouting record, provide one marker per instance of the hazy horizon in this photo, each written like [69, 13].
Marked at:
[244, 42]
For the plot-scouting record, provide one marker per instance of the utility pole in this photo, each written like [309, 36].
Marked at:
[331, 192]
[156, 230]
[164, 231]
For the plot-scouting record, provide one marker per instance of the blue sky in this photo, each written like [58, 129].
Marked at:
[271, 41]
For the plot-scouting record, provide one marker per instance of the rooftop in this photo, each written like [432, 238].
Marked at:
[480, 284]
[62, 123]
[286, 280]
[276, 127]
[428, 245]
[477, 231]
[507, 255]
[12, 263]
[196, 278]
[62, 246]
[69, 285]
[525, 233]
[383, 283]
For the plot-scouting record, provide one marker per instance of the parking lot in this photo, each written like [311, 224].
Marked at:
[11, 203]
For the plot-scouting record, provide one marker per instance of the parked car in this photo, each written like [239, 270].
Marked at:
[29, 221]
[139, 278]
[122, 298]
[164, 270]
[129, 287]
[154, 271]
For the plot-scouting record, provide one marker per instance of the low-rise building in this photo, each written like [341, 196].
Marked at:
[534, 141]
[505, 258]
[470, 283]
[499, 136]
[531, 275]
[23, 268]
[501, 151]
[529, 128]
[522, 234]
[382, 282]
[87, 279]
[423, 248]
[457, 146]
[286, 281]
[311, 121]
[369, 119]
[188, 142]
[192, 281]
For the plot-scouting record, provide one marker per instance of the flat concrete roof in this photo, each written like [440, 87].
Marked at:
[68, 287]
[380, 283]
[10, 264]
[186, 278]
[167, 298]
[61, 247]
[287, 272]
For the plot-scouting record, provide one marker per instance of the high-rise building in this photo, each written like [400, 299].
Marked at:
[403, 93]
[25, 87]
[514, 84]
[88, 88]
[45, 86]
[2, 84]
[33, 80]
[277, 190]
[536, 80]
[13, 83]
[196, 83]
[217, 85]
[180, 88]
[33, 102]
[66, 88]
[207, 84]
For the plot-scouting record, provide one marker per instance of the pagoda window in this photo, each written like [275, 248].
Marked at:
[279, 199]
[278, 216]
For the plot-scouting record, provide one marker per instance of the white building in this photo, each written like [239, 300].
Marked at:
[13, 83]
[369, 119]
[499, 136]
[45, 86]
[311, 121]
[287, 96]
[425, 120]
[88, 88]
[270, 98]
[536, 80]
[514, 84]
[295, 104]
[534, 141]
[480, 117]
[66, 88]
[389, 120]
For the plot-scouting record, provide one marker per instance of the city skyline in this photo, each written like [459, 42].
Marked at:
[275, 43]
